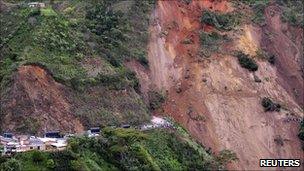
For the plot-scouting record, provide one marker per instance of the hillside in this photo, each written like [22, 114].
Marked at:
[219, 60]
[210, 90]
[121, 149]
[229, 72]
[62, 66]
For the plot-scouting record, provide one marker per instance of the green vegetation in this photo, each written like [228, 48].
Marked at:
[119, 30]
[246, 62]
[42, 38]
[103, 107]
[258, 10]
[187, 41]
[210, 42]
[29, 124]
[269, 105]
[11, 165]
[220, 21]
[292, 12]
[261, 54]
[62, 37]
[123, 149]
[155, 99]
[48, 12]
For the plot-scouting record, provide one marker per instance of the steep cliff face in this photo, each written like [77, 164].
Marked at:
[218, 101]
[286, 42]
[37, 103]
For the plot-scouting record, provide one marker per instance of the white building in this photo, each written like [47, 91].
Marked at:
[36, 5]
[61, 144]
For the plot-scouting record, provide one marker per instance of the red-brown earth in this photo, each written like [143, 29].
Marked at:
[215, 99]
[37, 102]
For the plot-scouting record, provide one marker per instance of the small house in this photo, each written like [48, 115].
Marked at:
[60, 144]
[10, 148]
[36, 144]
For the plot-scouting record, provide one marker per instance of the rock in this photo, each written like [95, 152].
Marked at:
[178, 88]
[32, 21]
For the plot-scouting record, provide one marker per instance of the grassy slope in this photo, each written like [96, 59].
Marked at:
[123, 149]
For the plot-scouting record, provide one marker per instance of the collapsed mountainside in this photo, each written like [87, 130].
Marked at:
[40, 99]
[231, 73]
[216, 99]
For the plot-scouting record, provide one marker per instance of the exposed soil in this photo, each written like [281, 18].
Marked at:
[35, 98]
[215, 99]
[286, 43]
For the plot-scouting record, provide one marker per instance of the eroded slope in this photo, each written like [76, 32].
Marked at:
[37, 103]
[215, 99]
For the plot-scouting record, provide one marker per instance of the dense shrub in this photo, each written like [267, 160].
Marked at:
[155, 99]
[225, 156]
[10, 165]
[141, 57]
[269, 105]
[51, 41]
[125, 149]
[271, 58]
[121, 80]
[246, 62]
[210, 42]
[292, 12]
[220, 21]
[209, 39]
[34, 12]
[38, 156]
[144, 61]
[107, 24]
[258, 12]
[50, 164]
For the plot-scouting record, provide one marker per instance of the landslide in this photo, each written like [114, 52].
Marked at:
[37, 103]
[62, 66]
[217, 100]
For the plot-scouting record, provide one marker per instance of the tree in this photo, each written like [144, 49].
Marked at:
[246, 62]
[37, 156]
[11, 165]
[50, 164]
